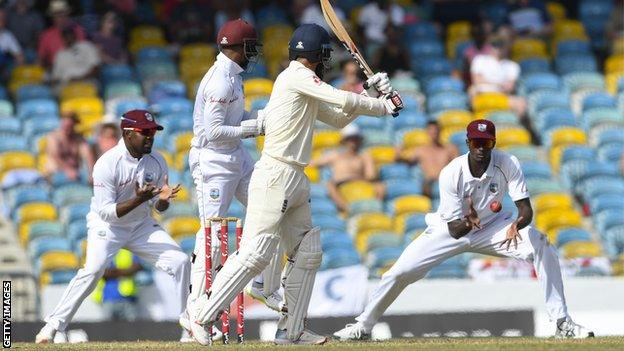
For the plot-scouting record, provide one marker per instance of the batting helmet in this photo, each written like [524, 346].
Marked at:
[310, 41]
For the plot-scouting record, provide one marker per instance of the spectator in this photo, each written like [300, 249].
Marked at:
[615, 25]
[26, 25]
[349, 164]
[67, 150]
[189, 22]
[231, 10]
[312, 13]
[10, 50]
[373, 20]
[51, 40]
[529, 18]
[79, 60]
[108, 42]
[495, 73]
[431, 158]
[107, 137]
[351, 77]
[117, 290]
[392, 57]
[481, 33]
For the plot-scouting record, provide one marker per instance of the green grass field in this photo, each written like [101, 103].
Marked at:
[437, 344]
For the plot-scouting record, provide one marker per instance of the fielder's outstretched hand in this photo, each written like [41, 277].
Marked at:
[512, 235]
[472, 216]
[166, 192]
[146, 192]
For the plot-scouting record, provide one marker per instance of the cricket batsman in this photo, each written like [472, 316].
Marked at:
[128, 181]
[220, 165]
[279, 191]
[466, 221]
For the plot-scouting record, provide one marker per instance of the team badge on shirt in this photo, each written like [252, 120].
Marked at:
[148, 177]
[214, 193]
[494, 187]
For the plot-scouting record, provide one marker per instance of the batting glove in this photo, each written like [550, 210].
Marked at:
[251, 128]
[380, 82]
[393, 103]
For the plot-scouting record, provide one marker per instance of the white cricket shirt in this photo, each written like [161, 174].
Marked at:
[298, 98]
[457, 184]
[220, 107]
[114, 176]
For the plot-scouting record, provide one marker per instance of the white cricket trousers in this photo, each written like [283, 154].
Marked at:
[435, 245]
[147, 240]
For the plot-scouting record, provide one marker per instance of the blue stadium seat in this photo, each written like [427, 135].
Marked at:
[383, 257]
[33, 91]
[118, 72]
[336, 258]
[167, 89]
[534, 65]
[3, 94]
[609, 219]
[375, 137]
[318, 190]
[173, 105]
[536, 81]
[577, 153]
[611, 136]
[323, 206]
[34, 107]
[259, 103]
[40, 125]
[496, 12]
[13, 143]
[447, 101]
[187, 244]
[565, 236]
[70, 194]
[157, 71]
[443, 84]
[608, 117]
[367, 122]
[575, 63]
[329, 222]
[431, 67]
[452, 268]
[573, 47]
[599, 186]
[76, 232]
[395, 171]
[605, 202]
[555, 117]
[332, 239]
[177, 122]
[61, 276]
[426, 48]
[409, 120]
[611, 152]
[27, 195]
[598, 99]
[365, 206]
[75, 212]
[595, 9]
[415, 222]
[6, 108]
[400, 187]
[154, 54]
[537, 170]
[41, 245]
[547, 99]
[11, 126]
[614, 241]
[130, 104]
[420, 30]
[47, 229]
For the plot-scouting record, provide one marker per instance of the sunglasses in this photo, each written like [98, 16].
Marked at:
[481, 143]
[144, 132]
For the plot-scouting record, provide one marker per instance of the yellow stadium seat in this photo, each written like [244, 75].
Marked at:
[575, 249]
[180, 162]
[83, 106]
[42, 160]
[197, 51]
[88, 123]
[527, 48]
[416, 137]
[135, 45]
[618, 46]
[446, 133]
[37, 211]
[191, 87]
[313, 174]
[15, 160]
[28, 73]
[182, 142]
[357, 190]
[180, 226]
[548, 220]
[271, 32]
[458, 29]
[146, 32]
[614, 64]
[556, 11]
[79, 90]
[490, 102]
[183, 194]
[382, 155]
[512, 137]
[568, 136]
[611, 81]
[167, 156]
[325, 139]
[568, 27]
[552, 201]
[411, 204]
[194, 70]
[362, 237]
[58, 260]
[373, 221]
[454, 118]
[258, 87]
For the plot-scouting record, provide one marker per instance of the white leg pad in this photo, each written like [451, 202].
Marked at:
[272, 275]
[299, 280]
[238, 270]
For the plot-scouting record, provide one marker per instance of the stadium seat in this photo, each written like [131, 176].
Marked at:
[25, 195]
[173, 105]
[572, 47]
[410, 222]
[524, 153]
[566, 64]
[40, 229]
[366, 122]
[539, 186]
[33, 91]
[442, 84]
[258, 87]
[381, 259]
[576, 249]
[566, 136]
[35, 107]
[490, 102]
[57, 260]
[40, 125]
[83, 106]
[454, 119]
[357, 190]
[326, 139]
[167, 89]
[614, 64]
[180, 142]
[565, 236]
[604, 117]
[382, 239]
[76, 211]
[546, 221]
[15, 160]
[336, 239]
[605, 202]
[534, 65]
[365, 206]
[551, 201]
[329, 222]
[181, 226]
[581, 81]
[122, 89]
[71, 194]
[394, 171]
[76, 232]
[36, 211]
[323, 206]
[414, 138]
[528, 48]
[43, 244]
[382, 155]
[539, 81]
[153, 54]
[373, 221]
[410, 204]
[512, 137]
[555, 117]
[75, 90]
[116, 72]
[397, 188]
[336, 258]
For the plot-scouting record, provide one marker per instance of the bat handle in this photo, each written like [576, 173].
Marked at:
[365, 85]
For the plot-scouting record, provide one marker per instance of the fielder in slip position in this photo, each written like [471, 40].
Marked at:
[466, 222]
[220, 165]
[128, 180]
[279, 191]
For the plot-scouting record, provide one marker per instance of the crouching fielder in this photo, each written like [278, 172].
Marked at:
[279, 191]
[128, 180]
[465, 222]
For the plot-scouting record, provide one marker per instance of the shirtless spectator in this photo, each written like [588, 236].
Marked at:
[431, 158]
[349, 165]
[67, 150]
[107, 137]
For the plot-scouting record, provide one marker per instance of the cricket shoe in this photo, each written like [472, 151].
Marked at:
[273, 301]
[46, 335]
[307, 337]
[355, 331]
[566, 328]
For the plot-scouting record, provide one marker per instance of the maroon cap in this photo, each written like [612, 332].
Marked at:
[140, 119]
[481, 129]
[235, 32]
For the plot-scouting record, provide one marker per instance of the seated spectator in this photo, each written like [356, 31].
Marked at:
[51, 40]
[373, 20]
[26, 25]
[79, 60]
[108, 42]
[189, 22]
[347, 165]
[231, 10]
[10, 50]
[67, 150]
[493, 72]
[352, 79]
[312, 13]
[108, 135]
[431, 158]
[529, 18]
[392, 57]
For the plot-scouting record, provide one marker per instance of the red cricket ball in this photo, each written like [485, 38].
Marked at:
[496, 206]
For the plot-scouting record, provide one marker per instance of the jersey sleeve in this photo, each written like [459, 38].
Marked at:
[217, 96]
[515, 183]
[450, 207]
[333, 115]
[104, 192]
